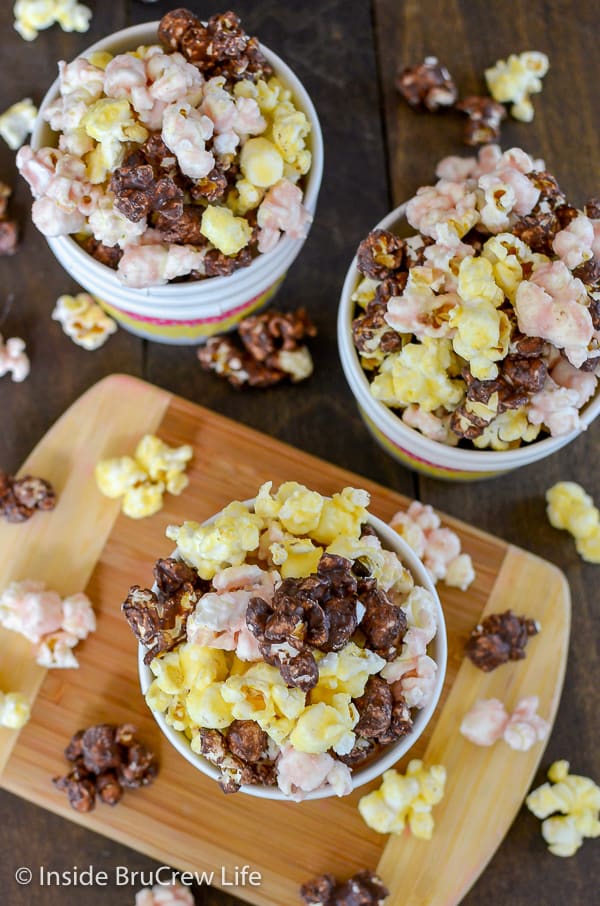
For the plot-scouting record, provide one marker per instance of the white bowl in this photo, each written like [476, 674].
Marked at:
[186, 313]
[408, 445]
[438, 649]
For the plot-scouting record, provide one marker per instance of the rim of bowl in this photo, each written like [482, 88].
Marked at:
[142, 34]
[391, 754]
[461, 458]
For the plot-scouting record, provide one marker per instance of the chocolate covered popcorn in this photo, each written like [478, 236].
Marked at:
[576, 800]
[439, 548]
[482, 328]
[405, 800]
[285, 642]
[142, 480]
[364, 888]
[570, 508]
[15, 710]
[54, 625]
[21, 497]
[270, 350]
[33, 16]
[83, 320]
[184, 159]
[488, 721]
[498, 639]
[17, 122]
[105, 761]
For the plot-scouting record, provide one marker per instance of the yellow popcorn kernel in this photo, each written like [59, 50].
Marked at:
[245, 197]
[238, 667]
[420, 373]
[17, 122]
[344, 515]
[570, 507]
[508, 254]
[176, 714]
[507, 430]
[269, 94]
[168, 673]
[15, 710]
[209, 548]
[143, 500]
[297, 557]
[227, 232]
[346, 671]
[107, 119]
[115, 477]
[403, 800]
[482, 337]
[321, 727]
[589, 547]
[515, 79]
[245, 89]
[201, 665]
[156, 698]
[32, 16]
[83, 320]
[290, 128]
[261, 162]
[365, 291]
[266, 505]
[100, 58]
[208, 707]
[97, 165]
[476, 282]
[301, 509]
[163, 463]
[577, 798]
[289, 702]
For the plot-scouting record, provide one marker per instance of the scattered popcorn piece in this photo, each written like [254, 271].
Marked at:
[142, 479]
[55, 626]
[173, 894]
[17, 122]
[514, 80]
[577, 799]
[13, 359]
[488, 721]
[32, 16]
[83, 320]
[439, 548]
[405, 800]
[570, 508]
[15, 710]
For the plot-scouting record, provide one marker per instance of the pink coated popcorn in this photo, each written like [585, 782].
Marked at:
[174, 894]
[81, 78]
[55, 651]
[79, 618]
[281, 210]
[583, 382]
[448, 247]
[125, 77]
[37, 167]
[417, 684]
[525, 726]
[300, 772]
[573, 245]
[430, 425]
[424, 515]
[507, 190]
[155, 265]
[446, 202]
[552, 305]
[13, 359]
[185, 131]
[439, 548]
[442, 547]
[485, 723]
[456, 169]
[173, 78]
[421, 309]
[556, 408]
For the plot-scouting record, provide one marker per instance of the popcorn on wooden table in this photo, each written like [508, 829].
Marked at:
[17, 122]
[570, 507]
[515, 79]
[576, 799]
[439, 548]
[488, 721]
[405, 800]
[83, 320]
[14, 359]
[15, 710]
[32, 16]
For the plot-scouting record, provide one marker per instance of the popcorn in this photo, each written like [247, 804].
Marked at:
[509, 428]
[556, 408]
[405, 800]
[321, 727]
[419, 373]
[573, 245]
[488, 721]
[83, 320]
[570, 508]
[439, 548]
[482, 331]
[261, 162]
[209, 548]
[185, 132]
[421, 309]
[52, 624]
[32, 16]
[508, 254]
[17, 122]
[430, 425]
[514, 80]
[448, 203]
[142, 480]
[228, 233]
[15, 710]
[14, 359]
[173, 894]
[281, 211]
[301, 772]
[577, 799]
[155, 264]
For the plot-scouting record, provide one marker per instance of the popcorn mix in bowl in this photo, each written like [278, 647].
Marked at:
[184, 159]
[286, 648]
[482, 328]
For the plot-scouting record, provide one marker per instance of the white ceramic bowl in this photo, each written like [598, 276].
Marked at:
[406, 444]
[186, 313]
[438, 649]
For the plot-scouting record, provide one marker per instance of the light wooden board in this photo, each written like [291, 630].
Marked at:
[184, 819]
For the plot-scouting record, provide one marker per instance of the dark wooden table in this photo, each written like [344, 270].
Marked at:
[378, 152]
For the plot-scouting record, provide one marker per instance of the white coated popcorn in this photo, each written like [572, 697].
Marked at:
[32, 16]
[439, 548]
[174, 894]
[185, 132]
[154, 265]
[17, 122]
[15, 710]
[83, 320]
[13, 359]
[488, 721]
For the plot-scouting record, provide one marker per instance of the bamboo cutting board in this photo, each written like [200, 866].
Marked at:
[183, 819]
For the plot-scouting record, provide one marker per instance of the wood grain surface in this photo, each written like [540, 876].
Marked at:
[163, 820]
[346, 54]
